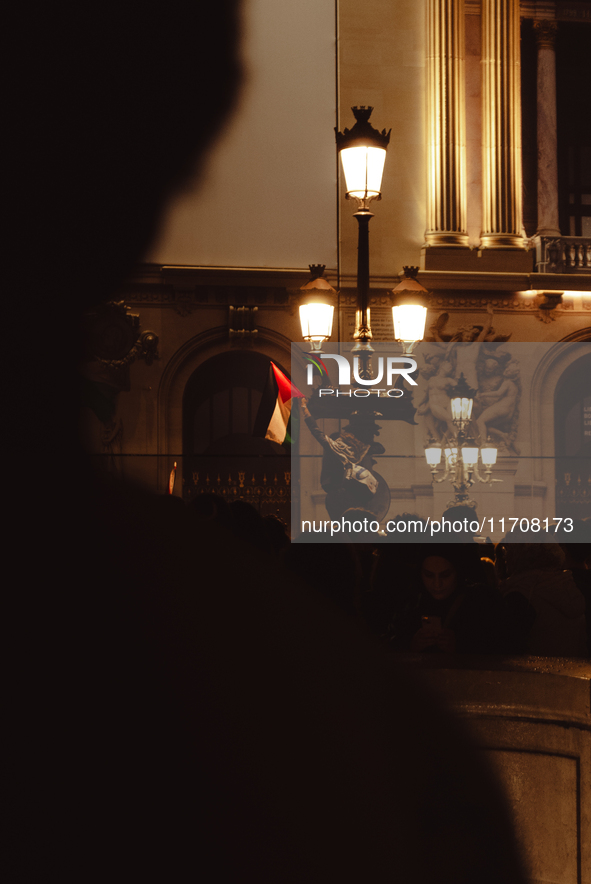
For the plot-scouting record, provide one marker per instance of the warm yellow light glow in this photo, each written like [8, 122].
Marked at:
[461, 409]
[470, 455]
[316, 321]
[577, 294]
[488, 455]
[363, 167]
[409, 322]
[433, 455]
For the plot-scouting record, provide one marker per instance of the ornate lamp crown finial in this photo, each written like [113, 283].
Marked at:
[362, 113]
[317, 270]
[410, 272]
[362, 132]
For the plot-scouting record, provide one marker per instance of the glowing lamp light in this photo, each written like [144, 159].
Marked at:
[470, 454]
[363, 154]
[409, 308]
[409, 322]
[488, 454]
[363, 167]
[461, 408]
[462, 402]
[317, 308]
[433, 455]
[316, 321]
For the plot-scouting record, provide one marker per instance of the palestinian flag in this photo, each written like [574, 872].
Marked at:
[277, 419]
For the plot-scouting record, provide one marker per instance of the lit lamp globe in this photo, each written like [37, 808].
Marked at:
[363, 154]
[318, 300]
[488, 454]
[470, 453]
[462, 401]
[433, 454]
[409, 310]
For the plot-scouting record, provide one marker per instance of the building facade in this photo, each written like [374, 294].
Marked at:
[487, 190]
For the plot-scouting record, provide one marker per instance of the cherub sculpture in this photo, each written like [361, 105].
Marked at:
[474, 352]
[435, 404]
[498, 400]
[464, 357]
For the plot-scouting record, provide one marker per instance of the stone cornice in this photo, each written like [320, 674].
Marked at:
[186, 289]
[472, 280]
[473, 302]
[537, 9]
[177, 274]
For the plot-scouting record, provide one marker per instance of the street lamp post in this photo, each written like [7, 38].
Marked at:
[363, 153]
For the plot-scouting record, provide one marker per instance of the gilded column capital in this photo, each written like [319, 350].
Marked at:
[545, 31]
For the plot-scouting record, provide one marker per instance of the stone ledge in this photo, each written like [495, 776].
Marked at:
[548, 689]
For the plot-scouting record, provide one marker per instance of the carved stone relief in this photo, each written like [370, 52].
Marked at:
[476, 353]
[113, 340]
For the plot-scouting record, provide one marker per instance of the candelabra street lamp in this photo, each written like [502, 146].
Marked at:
[461, 452]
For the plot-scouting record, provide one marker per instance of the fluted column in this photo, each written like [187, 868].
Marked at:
[545, 32]
[501, 125]
[446, 210]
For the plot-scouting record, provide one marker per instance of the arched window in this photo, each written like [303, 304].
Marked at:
[220, 454]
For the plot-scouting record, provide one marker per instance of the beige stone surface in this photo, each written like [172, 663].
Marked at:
[532, 718]
[381, 63]
[542, 791]
[547, 146]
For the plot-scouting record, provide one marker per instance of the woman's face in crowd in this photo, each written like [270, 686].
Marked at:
[439, 577]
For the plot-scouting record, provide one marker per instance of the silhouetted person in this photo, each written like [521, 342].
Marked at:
[536, 572]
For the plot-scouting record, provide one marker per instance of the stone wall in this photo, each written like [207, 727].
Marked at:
[531, 717]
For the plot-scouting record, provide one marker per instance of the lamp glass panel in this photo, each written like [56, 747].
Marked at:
[488, 455]
[409, 322]
[433, 455]
[363, 168]
[451, 455]
[461, 409]
[316, 321]
[470, 455]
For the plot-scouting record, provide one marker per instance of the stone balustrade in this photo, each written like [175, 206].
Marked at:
[563, 254]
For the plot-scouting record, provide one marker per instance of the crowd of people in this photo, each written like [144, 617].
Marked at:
[510, 598]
